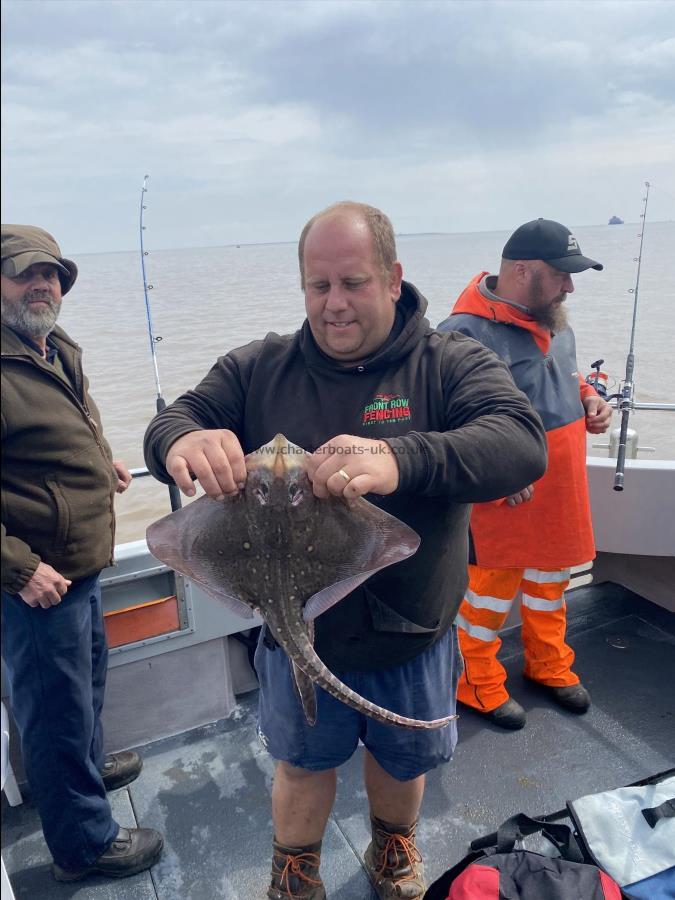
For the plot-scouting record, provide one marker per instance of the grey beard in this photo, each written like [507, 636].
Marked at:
[30, 322]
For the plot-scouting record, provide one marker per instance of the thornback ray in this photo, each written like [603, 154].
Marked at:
[304, 686]
[277, 550]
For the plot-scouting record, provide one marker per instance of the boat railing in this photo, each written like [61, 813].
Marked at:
[662, 406]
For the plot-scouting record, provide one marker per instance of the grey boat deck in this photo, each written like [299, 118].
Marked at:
[208, 791]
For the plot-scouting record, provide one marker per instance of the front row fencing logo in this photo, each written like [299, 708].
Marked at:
[387, 408]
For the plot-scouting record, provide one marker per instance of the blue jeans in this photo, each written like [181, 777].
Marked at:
[423, 688]
[57, 662]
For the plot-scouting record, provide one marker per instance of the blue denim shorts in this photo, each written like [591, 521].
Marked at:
[423, 688]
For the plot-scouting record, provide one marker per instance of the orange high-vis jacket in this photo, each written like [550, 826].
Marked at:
[554, 529]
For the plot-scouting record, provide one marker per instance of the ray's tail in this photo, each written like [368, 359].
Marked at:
[305, 658]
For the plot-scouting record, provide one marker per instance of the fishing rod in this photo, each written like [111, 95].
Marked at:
[625, 396]
[174, 493]
[623, 441]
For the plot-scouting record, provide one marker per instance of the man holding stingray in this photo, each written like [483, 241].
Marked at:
[422, 424]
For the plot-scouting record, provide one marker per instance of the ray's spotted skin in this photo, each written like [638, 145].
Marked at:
[277, 550]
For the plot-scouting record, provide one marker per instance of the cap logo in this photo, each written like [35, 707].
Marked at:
[572, 244]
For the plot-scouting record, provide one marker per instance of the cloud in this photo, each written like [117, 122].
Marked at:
[251, 115]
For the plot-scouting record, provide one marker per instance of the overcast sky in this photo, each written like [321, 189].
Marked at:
[250, 116]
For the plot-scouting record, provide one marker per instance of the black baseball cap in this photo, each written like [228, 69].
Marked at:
[550, 242]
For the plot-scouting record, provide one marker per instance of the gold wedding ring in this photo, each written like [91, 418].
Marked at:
[344, 474]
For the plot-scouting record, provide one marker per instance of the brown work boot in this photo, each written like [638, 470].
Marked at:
[295, 873]
[134, 850]
[121, 769]
[394, 863]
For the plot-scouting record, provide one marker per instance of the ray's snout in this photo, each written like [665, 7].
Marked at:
[279, 456]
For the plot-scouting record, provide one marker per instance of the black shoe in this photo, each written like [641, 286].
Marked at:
[120, 769]
[575, 697]
[509, 715]
[134, 850]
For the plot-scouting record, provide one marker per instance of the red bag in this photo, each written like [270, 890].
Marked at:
[509, 874]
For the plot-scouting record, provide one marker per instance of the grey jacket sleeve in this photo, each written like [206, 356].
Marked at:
[495, 442]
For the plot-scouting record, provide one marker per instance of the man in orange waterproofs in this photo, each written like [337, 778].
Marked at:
[524, 545]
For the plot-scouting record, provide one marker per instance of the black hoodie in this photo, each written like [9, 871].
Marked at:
[461, 431]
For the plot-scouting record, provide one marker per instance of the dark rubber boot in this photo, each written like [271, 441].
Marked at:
[509, 715]
[295, 873]
[575, 698]
[394, 863]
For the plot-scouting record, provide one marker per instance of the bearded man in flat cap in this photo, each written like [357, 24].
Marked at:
[58, 487]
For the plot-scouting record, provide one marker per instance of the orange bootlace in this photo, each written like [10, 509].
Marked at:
[293, 866]
[404, 850]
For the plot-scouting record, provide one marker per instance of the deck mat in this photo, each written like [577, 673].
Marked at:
[209, 790]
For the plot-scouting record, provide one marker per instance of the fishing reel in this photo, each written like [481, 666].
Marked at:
[622, 400]
[598, 379]
[603, 383]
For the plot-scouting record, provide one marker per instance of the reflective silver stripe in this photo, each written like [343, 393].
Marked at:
[542, 605]
[481, 601]
[476, 631]
[540, 577]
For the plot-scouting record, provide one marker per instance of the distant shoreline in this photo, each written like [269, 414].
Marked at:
[402, 234]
